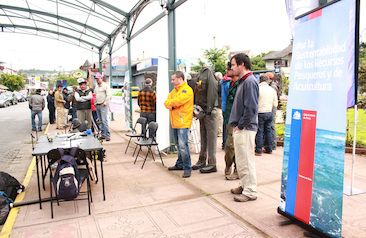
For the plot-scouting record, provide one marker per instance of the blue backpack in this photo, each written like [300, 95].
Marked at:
[66, 181]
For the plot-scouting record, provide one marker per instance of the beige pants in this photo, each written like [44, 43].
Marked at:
[219, 121]
[244, 143]
[60, 117]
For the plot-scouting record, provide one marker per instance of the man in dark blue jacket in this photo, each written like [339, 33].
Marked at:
[244, 119]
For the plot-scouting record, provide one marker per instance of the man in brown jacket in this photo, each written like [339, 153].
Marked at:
[59, 105]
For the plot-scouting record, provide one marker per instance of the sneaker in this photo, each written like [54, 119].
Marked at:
[208, 169]
[108, 139]
[186, 174]
[34, 129]
[40, 130]
[243, 198]
[237, 190]
[233, 176]
[198, 165]
[175, 168]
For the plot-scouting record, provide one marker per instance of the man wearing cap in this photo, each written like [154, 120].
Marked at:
[36, 104]
[83, 97]
[275, 83]
[59, 105]
[102, 98]
[147, 101]
[229, 143]
[180, 104]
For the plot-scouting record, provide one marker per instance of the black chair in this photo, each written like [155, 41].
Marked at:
[149, 142]
[53, 156]
[142, 121]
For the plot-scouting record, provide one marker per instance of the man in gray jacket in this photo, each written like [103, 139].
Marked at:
[36, 104]
[206, 96]
[244, 119]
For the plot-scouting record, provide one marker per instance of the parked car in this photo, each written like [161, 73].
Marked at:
[19, 96]
[12, 97]
[24, 93]
[135, 91]
[4, 101]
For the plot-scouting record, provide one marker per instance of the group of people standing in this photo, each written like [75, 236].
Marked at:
[83, 101]
[247, 109]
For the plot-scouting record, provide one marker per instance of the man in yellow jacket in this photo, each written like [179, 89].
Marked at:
[180, 104]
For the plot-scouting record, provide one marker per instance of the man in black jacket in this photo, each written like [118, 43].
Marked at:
[206, 96]
[83, 97]
[36, 104]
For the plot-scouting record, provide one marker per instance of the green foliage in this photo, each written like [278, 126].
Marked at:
[70, 80]
[258, 63]
[196, 68]
[280, 130]
[217, 58]
[13, 82]
[285, 83]
[360, 130]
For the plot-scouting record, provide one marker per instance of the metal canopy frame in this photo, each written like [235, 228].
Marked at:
[89, 24]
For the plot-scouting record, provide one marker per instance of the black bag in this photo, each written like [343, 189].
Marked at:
[9, 189]
[67, 177]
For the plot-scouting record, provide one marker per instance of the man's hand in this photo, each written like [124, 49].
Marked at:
[103, 105]
[236, 129]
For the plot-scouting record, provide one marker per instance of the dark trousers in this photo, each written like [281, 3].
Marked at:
[150, 117]
[264, 129]
[52, 115]
[208, 132]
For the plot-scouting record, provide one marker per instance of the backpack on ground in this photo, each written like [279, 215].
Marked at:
[66, 181]
[9, 189]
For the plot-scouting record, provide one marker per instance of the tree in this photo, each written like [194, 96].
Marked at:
[362, 68]
[13, 82]
[216, 58]
[258, 63]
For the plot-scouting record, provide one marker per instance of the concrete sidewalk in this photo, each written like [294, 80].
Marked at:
[155, 202]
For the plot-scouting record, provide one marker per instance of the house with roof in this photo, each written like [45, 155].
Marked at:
[247, 52]
[279, 61]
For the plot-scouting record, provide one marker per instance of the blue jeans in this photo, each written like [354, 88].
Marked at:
[181, 141]
[33, 116]
[74, 112]
[264, 126]
[103, 118]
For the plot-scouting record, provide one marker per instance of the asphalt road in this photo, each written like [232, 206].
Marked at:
[15, 139]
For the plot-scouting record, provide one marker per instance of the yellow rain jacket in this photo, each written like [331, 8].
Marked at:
[180, 104]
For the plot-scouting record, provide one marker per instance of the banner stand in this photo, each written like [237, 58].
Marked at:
[349, 190]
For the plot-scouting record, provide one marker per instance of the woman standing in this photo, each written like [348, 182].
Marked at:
[51, 106]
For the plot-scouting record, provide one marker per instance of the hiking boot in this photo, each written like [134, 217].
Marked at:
[186, 174]
[233, 176]
[208, 169]
[237, 190]
[257, 154]
[198, 165]
[175, 168]
[243, 198]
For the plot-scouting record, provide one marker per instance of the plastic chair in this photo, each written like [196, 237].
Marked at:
[53, 156]
[149, 142]
[142, 121]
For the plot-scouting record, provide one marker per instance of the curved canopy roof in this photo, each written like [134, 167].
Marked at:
[90, 24]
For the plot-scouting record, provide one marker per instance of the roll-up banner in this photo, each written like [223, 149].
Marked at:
[321, 87]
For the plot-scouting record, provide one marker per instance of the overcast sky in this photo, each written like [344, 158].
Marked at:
[259, 26]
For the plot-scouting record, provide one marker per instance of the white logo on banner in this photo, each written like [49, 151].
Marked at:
[297, 115]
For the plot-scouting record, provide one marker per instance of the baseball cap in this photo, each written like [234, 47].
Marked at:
[98, 76]
[270, 75]
[148, 82]
[81, 80]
